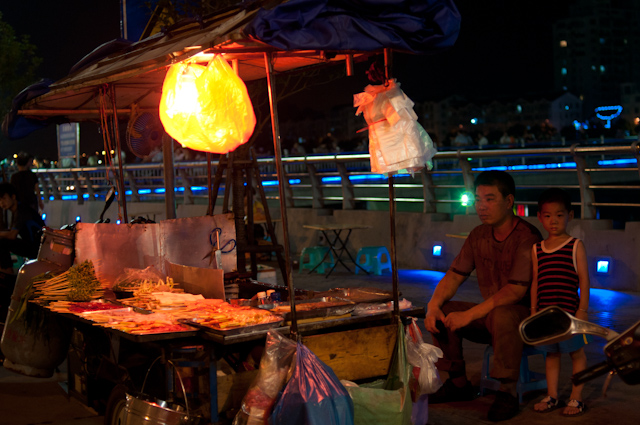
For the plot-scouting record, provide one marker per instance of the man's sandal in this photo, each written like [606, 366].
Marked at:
[552, 404]
[575, 404]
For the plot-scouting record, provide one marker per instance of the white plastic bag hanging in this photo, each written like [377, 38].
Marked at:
[396, 140]
[423, 356]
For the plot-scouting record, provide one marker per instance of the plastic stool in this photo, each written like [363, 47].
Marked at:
[315, 254]
[527, 381]
[373, 259]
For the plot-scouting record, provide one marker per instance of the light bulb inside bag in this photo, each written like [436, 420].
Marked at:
[206, 108]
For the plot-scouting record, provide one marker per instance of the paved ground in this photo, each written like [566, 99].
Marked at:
[31, 401]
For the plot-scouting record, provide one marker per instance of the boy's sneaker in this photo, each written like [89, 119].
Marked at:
[504, 407]
[450, 392]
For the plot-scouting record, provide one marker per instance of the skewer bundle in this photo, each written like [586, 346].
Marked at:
[79, 283]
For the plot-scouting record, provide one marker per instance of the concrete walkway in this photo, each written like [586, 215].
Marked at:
[32, 401]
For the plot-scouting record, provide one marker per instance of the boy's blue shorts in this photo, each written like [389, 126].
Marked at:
[569, 346]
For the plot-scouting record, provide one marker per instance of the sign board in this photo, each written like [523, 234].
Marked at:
[68, 140]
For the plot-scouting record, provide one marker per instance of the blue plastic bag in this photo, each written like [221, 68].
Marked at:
[313, 396]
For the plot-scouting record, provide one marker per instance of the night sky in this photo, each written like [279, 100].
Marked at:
[504, 50]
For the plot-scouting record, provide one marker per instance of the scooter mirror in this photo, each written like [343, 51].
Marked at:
[623, 353]
[553, 324]
[545, 327]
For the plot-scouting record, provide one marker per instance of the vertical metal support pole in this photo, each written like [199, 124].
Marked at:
[209, 189]
[186, 183]
[428, 193]
[275, 129]
[123, 197]
[169, 177]
[584, 179]
[316, 187]
[76, 181]
[90, 191]
[635, 147]
[133, 185]
[467, 178]
[213, 386]
[392, 209]
[54, 187]
[347, 188]
[349, 61]
[45, 187]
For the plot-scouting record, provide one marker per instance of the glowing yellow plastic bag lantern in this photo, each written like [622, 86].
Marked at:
[206, 108]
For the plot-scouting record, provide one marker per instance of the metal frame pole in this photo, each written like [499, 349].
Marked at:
[392, 209]
[123, 196]
[209, 180]
[275, 130]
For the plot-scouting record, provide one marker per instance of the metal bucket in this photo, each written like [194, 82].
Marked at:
[142, 409]
[145, 412]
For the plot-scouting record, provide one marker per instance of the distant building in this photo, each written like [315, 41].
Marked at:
[630, 102]
[564, 110]
[597, 50]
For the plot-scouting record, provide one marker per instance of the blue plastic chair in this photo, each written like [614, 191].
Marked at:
[312, 256]
[527, 381]
[376, 259]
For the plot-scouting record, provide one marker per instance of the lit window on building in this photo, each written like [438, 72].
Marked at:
[563, 71]
[563, 43]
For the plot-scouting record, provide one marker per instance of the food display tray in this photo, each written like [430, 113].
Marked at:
[343, 308]
[233, 331]
[359, 295]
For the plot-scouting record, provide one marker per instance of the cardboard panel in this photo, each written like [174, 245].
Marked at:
[356, 354]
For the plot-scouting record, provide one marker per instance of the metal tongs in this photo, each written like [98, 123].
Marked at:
[136, 309]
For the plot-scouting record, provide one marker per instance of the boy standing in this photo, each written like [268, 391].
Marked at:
[560, 278]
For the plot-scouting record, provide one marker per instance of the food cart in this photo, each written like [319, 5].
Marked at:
[114, 81]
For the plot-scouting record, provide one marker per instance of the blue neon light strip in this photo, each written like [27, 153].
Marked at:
[528, 167]
[338, 179]
[629, 161]
[275, 182]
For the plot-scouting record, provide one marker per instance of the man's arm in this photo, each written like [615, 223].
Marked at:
[509, 294]
[583, 279]
[534, 282]
[445, 290]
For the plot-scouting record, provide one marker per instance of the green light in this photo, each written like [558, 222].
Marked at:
[466, 199]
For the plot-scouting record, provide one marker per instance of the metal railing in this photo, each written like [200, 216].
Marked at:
[604, 180]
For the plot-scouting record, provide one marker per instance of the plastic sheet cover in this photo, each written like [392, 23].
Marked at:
[396, 140]
[416, 26]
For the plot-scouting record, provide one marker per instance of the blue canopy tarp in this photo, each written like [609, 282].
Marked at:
[412, 26]
[300, 33]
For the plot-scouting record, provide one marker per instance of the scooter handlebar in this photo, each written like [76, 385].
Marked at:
[590, 373]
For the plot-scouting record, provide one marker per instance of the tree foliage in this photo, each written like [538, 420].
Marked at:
[18, 64]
